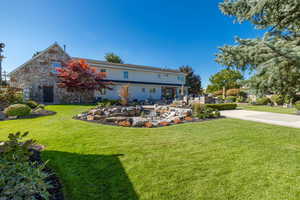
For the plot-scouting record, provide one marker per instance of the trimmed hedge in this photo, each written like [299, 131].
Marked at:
[17, 110]
[222, 106]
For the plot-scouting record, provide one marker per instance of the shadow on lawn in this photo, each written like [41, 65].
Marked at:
[91, 176]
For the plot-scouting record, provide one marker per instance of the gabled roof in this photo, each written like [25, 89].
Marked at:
[38, 55]
[92, 61]
[98, 62]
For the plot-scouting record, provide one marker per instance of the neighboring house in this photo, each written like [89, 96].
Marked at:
[37, 79]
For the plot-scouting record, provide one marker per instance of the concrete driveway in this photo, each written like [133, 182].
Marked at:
[265, 117]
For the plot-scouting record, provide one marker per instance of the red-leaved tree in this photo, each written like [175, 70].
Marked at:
[77, 76]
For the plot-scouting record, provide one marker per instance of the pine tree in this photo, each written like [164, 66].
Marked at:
[275, 57]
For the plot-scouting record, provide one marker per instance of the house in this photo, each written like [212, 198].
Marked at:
[38, 80]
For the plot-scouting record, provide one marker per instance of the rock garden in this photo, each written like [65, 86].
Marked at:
[149, 116]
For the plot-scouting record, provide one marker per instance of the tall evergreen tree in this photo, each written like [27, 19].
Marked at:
[193, 81]
[276, 56]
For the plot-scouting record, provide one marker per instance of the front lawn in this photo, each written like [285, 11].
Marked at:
[218, 159]
[274, 109]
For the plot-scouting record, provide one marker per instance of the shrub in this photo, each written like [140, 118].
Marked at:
[230, 99]
[297, 105]
[10, 95]
[222, 106]
[17, 110]
[263, 101]
[108, 102]
[42, 106]
[20, 178]
[232, 92]
[203, 112]
[32, 104]
[241, 99]
[218, 93]
[277, 99]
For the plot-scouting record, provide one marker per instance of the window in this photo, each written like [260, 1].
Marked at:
[159, 76]
[152, 90]
[143, 89]
[180, 78]
[103, 70]
[56, 64]
[125, 75]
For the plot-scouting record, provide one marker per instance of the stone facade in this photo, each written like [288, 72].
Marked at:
[37, 79]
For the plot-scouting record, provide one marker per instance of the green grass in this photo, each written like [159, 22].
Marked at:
[274, 109]
[214, 160]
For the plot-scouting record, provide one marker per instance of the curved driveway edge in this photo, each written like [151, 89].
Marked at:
[264, 117]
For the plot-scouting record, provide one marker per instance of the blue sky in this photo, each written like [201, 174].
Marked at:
[161, 33]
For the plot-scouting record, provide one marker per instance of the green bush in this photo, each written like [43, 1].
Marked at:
[241, 99]
[263, 101]
[203, 112]
[297, 105]
[20, 178]
[108, 102]
[10, 95]
[42, 106]
[17, 110]
[230, 99]
[222, 106]
[32, 104]
[277, 99]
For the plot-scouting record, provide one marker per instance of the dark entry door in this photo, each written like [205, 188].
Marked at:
[48, 94]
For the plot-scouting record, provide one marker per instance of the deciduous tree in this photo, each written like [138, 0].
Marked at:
[193, 81]
[78, 76]
[113, 58]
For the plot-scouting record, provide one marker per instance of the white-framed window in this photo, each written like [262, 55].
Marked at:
[159, 75]
[103, 70]
[180, 78]
[143, 89]
[152, 90]
[125, 74]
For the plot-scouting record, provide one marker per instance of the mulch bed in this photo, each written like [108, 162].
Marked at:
[159, 126]
[33, 115]
[56, 192]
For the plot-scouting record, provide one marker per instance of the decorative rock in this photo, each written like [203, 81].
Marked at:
[125, 123]
[116, 119]
[90, 118]
[138, 121]
[98, 117]
[164, 123]
[149, 124]
[188, 118]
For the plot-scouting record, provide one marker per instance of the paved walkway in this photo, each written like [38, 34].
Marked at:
[265, 117]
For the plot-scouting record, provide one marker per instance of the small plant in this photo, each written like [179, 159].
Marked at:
[241, 99]
[19, 177]
[22, 180]
[17, 110]
[15, 150]
[263, 101]
[32, 104]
